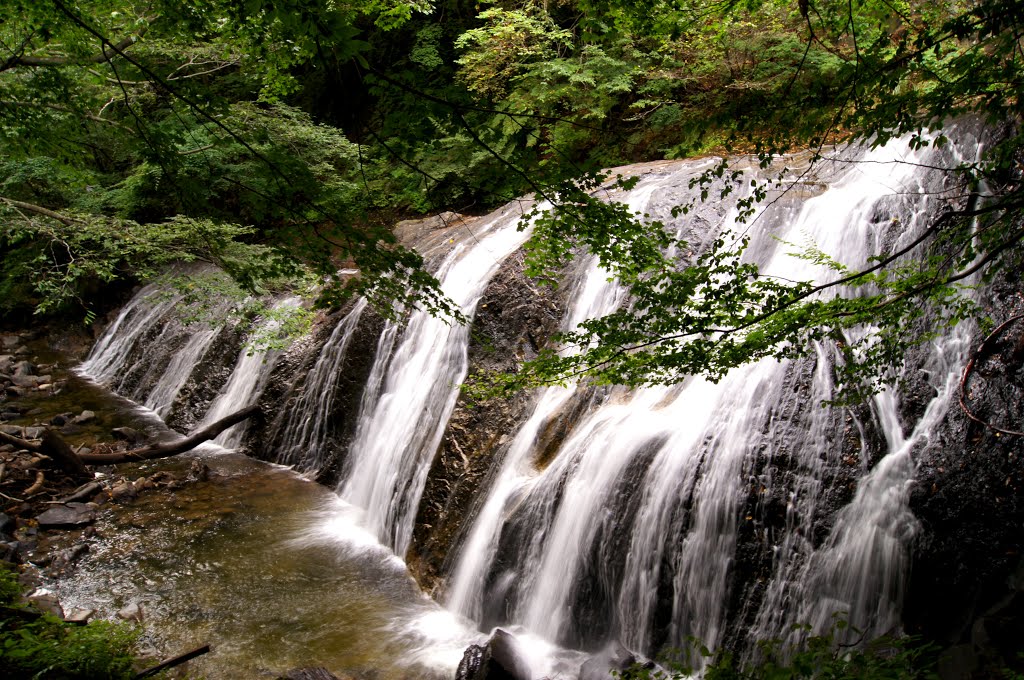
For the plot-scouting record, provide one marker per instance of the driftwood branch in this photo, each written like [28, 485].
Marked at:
[171, 663]
[969, 369]
[19, 442]
[167, 449]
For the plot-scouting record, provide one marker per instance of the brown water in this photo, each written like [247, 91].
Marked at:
[254, 563]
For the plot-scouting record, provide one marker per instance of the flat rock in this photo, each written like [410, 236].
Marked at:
[84, 417]
[80, 615]
[68, 515]
[46, 602]
[317, 673]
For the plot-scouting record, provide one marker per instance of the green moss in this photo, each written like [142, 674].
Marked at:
[35, 645]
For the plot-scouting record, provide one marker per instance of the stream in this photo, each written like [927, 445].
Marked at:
[257, 561]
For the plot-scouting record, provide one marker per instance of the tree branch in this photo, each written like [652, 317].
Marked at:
[39, 210]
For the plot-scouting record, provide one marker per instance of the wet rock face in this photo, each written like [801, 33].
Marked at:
[513, 320]
[287, 381]
[206, 380]
[969, 497]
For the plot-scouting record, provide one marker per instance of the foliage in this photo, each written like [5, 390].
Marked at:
[34, 645]
[768, 79]
[137, 135]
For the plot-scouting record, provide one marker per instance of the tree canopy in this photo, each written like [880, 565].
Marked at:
[281, 139]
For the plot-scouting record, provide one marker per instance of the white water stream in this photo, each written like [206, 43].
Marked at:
[694, 446]
[413, 387]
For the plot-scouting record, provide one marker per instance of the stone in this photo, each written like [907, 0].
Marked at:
[80, 615]
[316, 673]
[608, 663]
[7, 523]
[198, 471]
[23, 368]
[83, 417]
[67, 516]
[128, 434]
[61, 419]
[132, 612]
[499, 659]
[123, 492]
[9, 551]
[45, 601]
[65, 558]
[34, 432]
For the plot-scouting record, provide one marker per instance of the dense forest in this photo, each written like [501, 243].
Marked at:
[281, 140]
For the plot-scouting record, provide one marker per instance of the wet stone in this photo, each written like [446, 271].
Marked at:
[83, 417]
[23, 368]
[132, 612]
[80, 615]
[123, 492]
[65, 516]
[46, 602]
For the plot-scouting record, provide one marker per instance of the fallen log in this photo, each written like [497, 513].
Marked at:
[167, 449]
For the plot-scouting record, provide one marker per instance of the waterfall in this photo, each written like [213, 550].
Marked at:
[632, 531]
[307, 427]
[148, 354]
[249, 377]
[413, 387]
[109, 357]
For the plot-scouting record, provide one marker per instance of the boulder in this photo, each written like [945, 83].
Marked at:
[67, 516]
[46, 602]
[608, 663]
[123, 492]
[80, 615]
[23, 368]
[499, 659]
[83, 417]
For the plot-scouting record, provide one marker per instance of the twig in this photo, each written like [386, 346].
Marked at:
[37, 485]
[969, 368]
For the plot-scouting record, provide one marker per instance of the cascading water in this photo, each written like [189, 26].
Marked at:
[413, 388]
[632, 531]
[304, 438]
[697, 509]
[249, 377]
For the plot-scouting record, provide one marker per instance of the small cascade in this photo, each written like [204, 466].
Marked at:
[305, 434]
[108, 361]
[249, 377]
[413, 388]
[632, 532]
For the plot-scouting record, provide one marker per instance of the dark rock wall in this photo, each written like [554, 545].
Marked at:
[513, 320]
[966, 586]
